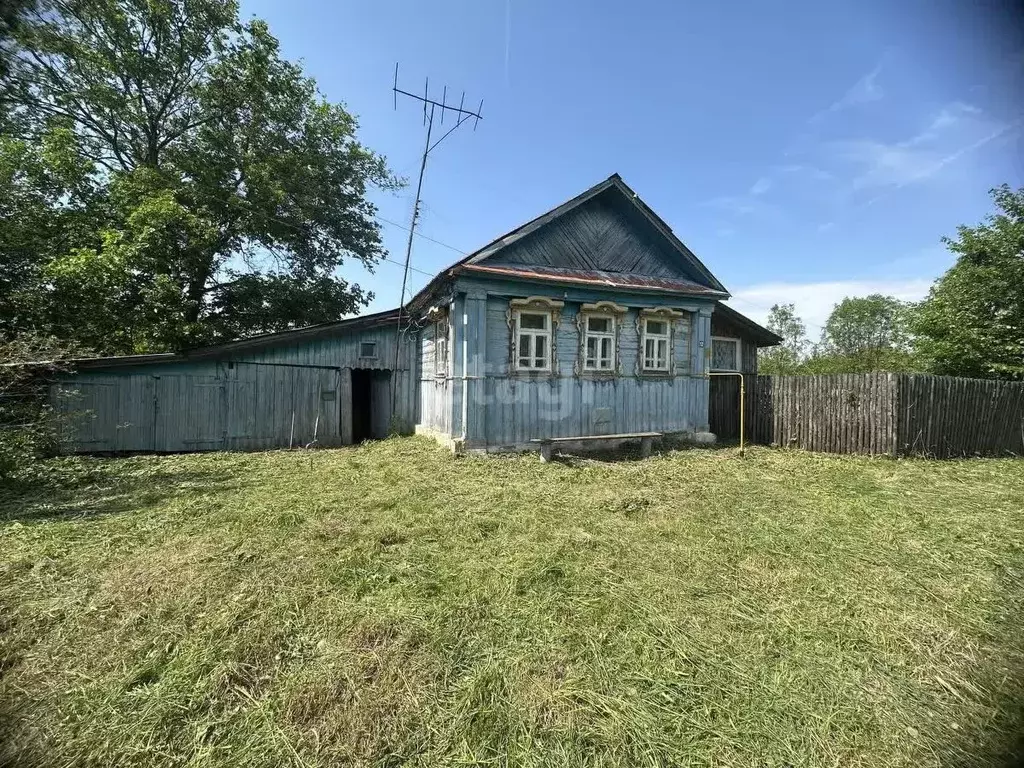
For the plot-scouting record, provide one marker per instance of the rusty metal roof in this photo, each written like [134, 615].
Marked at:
[597, 278]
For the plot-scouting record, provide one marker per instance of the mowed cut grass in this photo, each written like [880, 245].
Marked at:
[393, 605]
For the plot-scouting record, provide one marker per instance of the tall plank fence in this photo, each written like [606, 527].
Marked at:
[879, 413]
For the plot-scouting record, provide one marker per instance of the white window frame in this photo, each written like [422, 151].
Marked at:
[362, 349]
[739, 352]
[610, 334]
[667, 337]
[534, 334]
[442, 329]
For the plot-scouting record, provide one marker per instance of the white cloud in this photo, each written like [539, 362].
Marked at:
[956, 130]
[761, 186]
[864, 91]
[814, 301]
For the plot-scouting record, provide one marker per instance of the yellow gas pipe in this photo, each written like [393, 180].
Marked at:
[742, 398]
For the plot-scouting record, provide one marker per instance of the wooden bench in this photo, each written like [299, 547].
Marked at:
[549, 444]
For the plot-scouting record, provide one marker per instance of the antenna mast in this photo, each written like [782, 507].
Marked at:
[430, 108]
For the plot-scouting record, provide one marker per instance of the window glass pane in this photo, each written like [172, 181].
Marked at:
[662, 353]
[591, 352]
[606, 352]
[533, 320]
[724, 355]
[599, 324]
[540, 350]
[524, 345]
[657, 327]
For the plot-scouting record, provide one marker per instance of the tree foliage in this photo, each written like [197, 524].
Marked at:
[784, 358]
[972, 322]
[865, 334]
[197, 186]
[861, 335]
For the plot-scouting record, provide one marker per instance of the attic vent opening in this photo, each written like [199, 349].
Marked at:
[368, 349]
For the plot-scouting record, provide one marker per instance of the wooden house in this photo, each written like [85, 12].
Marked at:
[592, 319]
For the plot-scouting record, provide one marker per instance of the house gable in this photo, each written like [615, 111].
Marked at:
[606, 229]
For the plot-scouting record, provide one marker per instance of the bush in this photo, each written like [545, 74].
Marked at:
[29, 428]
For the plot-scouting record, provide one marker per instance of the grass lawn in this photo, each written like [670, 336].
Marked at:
[392, 605]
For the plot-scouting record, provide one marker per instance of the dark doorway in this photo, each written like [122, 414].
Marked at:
[371, 404]
[362, 405]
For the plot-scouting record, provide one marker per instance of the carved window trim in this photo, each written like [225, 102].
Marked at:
[605, 309]
[441, 319]
[442, 345]
[670, 317]
[539, 305]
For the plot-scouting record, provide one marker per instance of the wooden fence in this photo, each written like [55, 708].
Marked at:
[880, 413]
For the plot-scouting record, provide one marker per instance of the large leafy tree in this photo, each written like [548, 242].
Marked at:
[866, 333]
[224, 191]
[784, 358]
[972, 322]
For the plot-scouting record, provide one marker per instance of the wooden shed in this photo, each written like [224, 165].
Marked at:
[328, 384]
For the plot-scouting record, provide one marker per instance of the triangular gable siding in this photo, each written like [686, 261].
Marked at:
[597, 235]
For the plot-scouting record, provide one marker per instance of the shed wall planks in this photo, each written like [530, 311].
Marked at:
[295, 394]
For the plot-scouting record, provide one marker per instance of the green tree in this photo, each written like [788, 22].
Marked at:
[972, 321]
[231, 191]
[12, 12]
[784, 358]
[863, 334]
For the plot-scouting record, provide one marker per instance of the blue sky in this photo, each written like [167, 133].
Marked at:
[804, 150]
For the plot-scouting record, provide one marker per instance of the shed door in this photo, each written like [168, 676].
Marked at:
[108, 413]
[190, 413]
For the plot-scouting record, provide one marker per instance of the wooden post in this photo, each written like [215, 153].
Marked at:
[546, 452]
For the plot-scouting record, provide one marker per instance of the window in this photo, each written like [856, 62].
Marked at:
[368, 349]
[725, 354]
[533, 341]
[656, 337]
[441, 347]
[599, 343]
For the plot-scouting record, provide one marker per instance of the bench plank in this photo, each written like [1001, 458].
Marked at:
[547, 444]
[582, 438]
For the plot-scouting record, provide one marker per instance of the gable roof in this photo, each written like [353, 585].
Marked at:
[473, 262]
[613, 183]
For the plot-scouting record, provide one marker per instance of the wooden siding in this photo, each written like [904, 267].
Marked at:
[518, 410]
[600, 234]
[261, 399]
[515, 408]
[434, 409]
[875, 413]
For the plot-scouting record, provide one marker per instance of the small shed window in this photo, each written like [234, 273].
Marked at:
[368, 349]
[533, 340]
[599, 343]
[656, 338]
[725, 354]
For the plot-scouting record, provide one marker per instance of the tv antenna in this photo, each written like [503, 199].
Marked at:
[430, 108]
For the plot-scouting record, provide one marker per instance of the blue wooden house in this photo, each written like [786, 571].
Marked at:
[592, 319]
